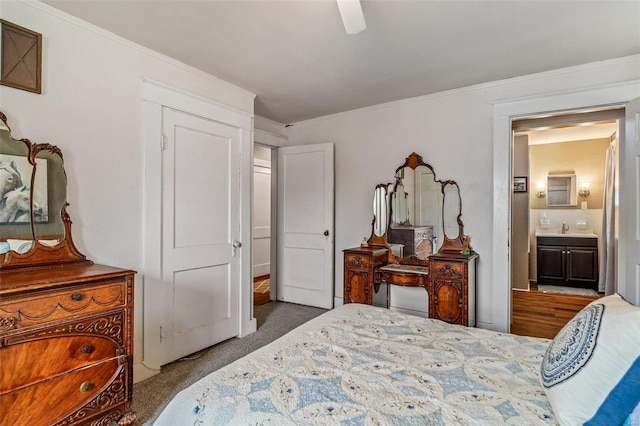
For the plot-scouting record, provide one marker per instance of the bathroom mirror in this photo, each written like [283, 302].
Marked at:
[34, 225]
[561, 190]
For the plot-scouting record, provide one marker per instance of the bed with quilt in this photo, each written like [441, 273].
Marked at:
[363, 365]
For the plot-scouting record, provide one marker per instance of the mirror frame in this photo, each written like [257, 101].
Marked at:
[452, 245]
[449, 245]
[380, 240]
[39, 254]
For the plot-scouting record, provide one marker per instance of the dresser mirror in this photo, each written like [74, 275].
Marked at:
[453, 241]
[424, 211]
[380, 210]
[380, 223]
[34, 225]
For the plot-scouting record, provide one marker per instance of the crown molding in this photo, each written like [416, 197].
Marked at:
[123, 41]
[481, 86]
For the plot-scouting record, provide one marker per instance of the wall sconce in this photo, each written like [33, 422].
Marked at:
[584, 189]
[540, 190]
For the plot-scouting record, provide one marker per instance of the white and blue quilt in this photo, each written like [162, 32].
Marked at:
[362, 365]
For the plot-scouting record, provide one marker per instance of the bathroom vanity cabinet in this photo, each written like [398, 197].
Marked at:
[568, 261]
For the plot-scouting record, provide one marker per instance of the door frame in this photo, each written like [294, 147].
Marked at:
[503, 112]
[156, 96]
[273, 141]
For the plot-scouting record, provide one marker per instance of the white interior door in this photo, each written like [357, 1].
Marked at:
[200, 224]
[629, 282]
[305, 225]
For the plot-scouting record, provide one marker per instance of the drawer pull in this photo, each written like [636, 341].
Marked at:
[77, 297]
[86, 386]
[86, 349]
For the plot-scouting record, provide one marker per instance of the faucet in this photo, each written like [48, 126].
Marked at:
[565, 227]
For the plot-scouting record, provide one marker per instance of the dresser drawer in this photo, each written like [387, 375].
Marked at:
[22, 364]
[450, 269]
[47, 401]
[54, 305]
[357, 261]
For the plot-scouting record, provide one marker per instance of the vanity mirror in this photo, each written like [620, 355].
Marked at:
[34, 224]
[424, 211]
[561, 190]
[380, 221]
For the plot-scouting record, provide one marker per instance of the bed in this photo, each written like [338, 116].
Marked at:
[364, 365]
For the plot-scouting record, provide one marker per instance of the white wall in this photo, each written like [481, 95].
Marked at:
[453, 133]
[90, 107]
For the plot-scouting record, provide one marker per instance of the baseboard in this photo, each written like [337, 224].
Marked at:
[142, 372]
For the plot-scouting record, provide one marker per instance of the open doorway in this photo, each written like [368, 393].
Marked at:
[262, 220]
[563, 216]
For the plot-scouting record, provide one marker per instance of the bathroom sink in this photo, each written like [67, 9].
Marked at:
[558, 233]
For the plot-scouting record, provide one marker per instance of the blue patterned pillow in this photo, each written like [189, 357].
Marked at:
[591, 370]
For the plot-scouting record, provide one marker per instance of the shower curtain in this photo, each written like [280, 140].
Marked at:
[607, 282]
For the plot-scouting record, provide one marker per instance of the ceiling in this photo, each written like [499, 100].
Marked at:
[298, 59]
[578, 132]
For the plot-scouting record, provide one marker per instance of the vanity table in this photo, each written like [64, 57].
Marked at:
[417, 201]
[66, 324]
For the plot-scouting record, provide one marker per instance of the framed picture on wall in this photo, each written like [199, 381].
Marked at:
[520, 184]
[20, 57]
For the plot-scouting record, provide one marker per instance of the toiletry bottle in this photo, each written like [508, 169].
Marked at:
[544, 222]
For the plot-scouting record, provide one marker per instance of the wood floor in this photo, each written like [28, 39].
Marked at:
[541, 314]
[261, 287]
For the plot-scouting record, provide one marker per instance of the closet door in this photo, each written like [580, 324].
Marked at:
[200, 233]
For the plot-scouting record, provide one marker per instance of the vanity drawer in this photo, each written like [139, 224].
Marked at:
[440, 268]
[47, 401]
[54, 305]
[357, 261]
[22, 364]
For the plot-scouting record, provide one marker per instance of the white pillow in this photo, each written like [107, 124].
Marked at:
[591, 370]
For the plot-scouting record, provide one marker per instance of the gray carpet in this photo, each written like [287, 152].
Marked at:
[574, 291]
[274, 319]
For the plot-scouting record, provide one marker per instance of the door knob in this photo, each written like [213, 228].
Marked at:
[326, 233]
[235, 244]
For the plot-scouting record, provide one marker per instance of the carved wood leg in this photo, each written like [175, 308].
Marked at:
[127, 419]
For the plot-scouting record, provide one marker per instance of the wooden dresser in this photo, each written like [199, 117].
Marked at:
[66, 345]
[360, 263]
[452, 288]
[450, 281]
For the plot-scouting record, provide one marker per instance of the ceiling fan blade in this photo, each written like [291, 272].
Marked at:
[352, 17]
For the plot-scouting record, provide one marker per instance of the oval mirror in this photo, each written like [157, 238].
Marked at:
[380, 210]
[16, 232]
[49, 197]
[451, 210]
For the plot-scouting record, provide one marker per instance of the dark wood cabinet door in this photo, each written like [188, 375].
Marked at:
[448, 298]
[551, 265]
[582, 265]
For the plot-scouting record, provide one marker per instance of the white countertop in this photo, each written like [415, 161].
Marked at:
[587, 233]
